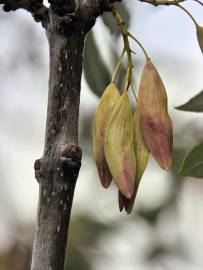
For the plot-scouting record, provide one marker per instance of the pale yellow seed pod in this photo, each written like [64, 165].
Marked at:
[142, 157]
[119, 146]
[200, 36]
[102, 116]
[155, 122]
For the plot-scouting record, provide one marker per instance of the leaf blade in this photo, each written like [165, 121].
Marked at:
[96, 72]
[193, 163]
[195, 104]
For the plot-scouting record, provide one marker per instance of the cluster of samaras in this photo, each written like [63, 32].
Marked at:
[123, 139]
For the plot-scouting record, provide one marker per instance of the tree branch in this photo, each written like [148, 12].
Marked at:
[58, 169]
[162, 2]
[66, 23]
[59, 166]
[35, 7]
[81, 9]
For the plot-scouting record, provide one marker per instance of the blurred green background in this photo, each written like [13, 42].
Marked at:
[164, 230]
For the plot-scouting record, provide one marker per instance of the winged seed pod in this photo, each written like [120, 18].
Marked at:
[155, 122]
[102, 116]
[141, 151]
[119, 146]
[142, 157]
[200, 36]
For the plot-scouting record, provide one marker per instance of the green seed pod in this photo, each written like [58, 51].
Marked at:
[200, 36]
[142, 157]
[155, 122]
[119, 146]
[102, 116]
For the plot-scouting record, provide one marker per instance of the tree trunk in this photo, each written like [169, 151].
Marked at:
[58, 169]
[66, 23]
[66, 26]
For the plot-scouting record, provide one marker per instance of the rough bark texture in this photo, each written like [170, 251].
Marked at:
[58, 169]
[66, 24]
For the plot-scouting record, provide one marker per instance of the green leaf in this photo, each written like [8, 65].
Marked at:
[195, 104]
[193, 163]
[95, 70]
[110, 23]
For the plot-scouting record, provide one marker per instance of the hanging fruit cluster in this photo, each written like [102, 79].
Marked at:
[122, 138]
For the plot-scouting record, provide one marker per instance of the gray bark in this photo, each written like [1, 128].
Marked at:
[58, 169]
[66, 24]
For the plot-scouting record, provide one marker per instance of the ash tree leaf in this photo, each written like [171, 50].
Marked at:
[193, 163]
[95, 70]
[195, 104]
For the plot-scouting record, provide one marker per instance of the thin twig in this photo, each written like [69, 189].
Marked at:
[118, 66]
[199, 2]
[186, 11]
[141, 46]
[162, 2]
[124, 32]
[133, 90]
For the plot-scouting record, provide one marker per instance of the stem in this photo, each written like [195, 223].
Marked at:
[141, 46]
[162, 2]
[186, 11]
[199, 2]
[124, 32]
[133, 90]
[118, 66]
